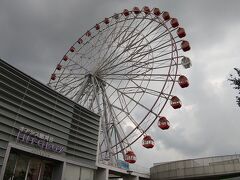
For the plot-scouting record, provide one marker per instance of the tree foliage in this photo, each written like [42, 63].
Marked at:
[235, 82]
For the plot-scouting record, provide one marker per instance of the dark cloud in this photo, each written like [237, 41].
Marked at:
[34, 35]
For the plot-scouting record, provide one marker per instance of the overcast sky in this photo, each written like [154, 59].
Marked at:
[35, 34]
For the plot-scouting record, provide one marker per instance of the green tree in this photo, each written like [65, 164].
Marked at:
[235, 82]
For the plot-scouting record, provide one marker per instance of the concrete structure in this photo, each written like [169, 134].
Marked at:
[106, 172]
[218, 167]
[43, 135]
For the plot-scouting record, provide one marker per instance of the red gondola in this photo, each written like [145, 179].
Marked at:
[126, 12]
[88, 33]
[65, 57]
[106, 21]
[72, 49]
[176, 102]
[97, 26]
[53, 77]
[163, 123]
[130, 157]
[80, 41]
[185, 46]
[166, 16]
[59, 67]
[181, 32]
[174, 22]
[183, 81]
[136, 10]
[148, 142]
[156, 11]
[146, 10]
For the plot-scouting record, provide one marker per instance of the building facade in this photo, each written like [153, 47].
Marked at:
[43, 135]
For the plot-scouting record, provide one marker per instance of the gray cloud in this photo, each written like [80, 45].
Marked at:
[34, 35]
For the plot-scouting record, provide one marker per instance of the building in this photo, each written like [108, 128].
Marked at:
[218, 167]
[43, 135]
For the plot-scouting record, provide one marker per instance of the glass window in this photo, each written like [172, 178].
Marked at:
[46, 171]
[34, 169]
[9, 172]
[24, 166]
[21, 168]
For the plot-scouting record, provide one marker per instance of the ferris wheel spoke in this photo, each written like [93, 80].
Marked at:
[133, 37]
[157, 37]
[142, 55]
[142, 79]
[77, 96]
[115, 65]
[147, 90]
[128, 48]
[156, 49]
[132, 43]
[142, 29]
[61, 87]
[114, 51]
[87, 97]
[70, 75]
[110, 37]
[134, 76]
[116, 99]
[139, 74]
[158, 60]
[146, 108]
[124, 37]
[161, 35]
[124, 105]
[128, 59]
[160, 47]
[131, 68]
[80, 66]
[125, 138]
[100, 34]
[134, 65]
[64, 88]
[117, 34]
[142, 90]
[128, 114]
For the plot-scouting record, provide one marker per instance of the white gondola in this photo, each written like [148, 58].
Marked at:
[186, 62]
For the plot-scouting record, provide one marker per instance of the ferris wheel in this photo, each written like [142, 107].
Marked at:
[124, 68]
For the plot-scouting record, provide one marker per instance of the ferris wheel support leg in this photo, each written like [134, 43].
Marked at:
[96, 88]
[96, 96]
[117, 129]
[81, 91]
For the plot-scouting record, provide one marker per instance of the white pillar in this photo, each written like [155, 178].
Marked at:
[102, 174]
